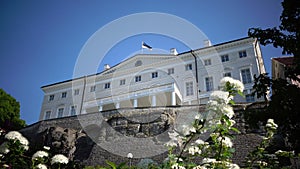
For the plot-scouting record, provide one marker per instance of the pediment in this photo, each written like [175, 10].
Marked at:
[141, 61]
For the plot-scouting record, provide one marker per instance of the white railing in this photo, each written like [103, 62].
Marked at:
[146, 91]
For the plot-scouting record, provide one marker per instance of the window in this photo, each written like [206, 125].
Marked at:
[250, 98]
[189, 88]
[106, 85]
[60, 112]
[76, 92]
[122, 82]
[225, 58]
[189, 67]
[47, 115]
[227, 74]
[209, 83]
[170, 71]
[242, 54]
[138, 63]
[63, 94]
[154, 75]
[51, 97]
[138, 78]
[207, 62]
[246, 76]
[93, 88]
[73, 110]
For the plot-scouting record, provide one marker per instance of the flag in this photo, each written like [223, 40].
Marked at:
[145, 46]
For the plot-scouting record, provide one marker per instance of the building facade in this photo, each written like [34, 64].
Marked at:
[280, 66]
[151, 80]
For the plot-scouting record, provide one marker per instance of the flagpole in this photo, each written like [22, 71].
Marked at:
[142, 47]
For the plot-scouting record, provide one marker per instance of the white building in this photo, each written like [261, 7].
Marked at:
[148, 80]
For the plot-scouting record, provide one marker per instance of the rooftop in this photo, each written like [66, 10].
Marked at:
[111, 68]
[285, 60]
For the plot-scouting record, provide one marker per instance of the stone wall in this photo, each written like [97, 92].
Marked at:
[95, 137]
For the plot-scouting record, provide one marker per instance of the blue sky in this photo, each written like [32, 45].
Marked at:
[40, 41]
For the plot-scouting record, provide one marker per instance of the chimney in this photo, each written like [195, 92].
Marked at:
[106, 67]
[207, 43]
[173, 51]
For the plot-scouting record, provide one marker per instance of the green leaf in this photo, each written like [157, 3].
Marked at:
[111, 164]
[241, 93]
[235, 129]
[231, 102]
[120, 166]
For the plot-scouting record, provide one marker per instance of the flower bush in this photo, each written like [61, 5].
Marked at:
[217, 120]
[217, 151]
[13, 154]
[187, 150]
[262, 158]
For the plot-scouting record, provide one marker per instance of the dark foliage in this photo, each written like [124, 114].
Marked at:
[9, 112]
[284, 106]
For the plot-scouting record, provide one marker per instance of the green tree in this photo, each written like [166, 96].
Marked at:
[285, 36]
[9, 112]
[284, 105]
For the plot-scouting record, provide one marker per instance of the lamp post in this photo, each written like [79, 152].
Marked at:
[130, 156]
[197, 80]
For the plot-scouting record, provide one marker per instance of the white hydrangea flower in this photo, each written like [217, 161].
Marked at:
[197, 117]
[216, 108]
[23, 141]
[194, 150]
[170, 144]
[271, 121]
[279, 152]
[283, 153]
[262, 163]
[177, 166]
[1, 132]
[226, 141]
[178, 159]
[188, 129]
[232, 166]
[271, 124]
[3, 148]
[220, 96]
[238, 85]
[25, 147]
[199, 142]
[41, 166]
[213, 104]
[174, 139]
[39, 154]
[59, 158]
[228, 111]
[14, 135]
[226, 79]
[232, 122]
[46, 148]
[6, 166]
[199, 167]
[193, 130]
[208, 160]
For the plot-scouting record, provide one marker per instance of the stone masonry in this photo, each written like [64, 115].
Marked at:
[95, 137]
